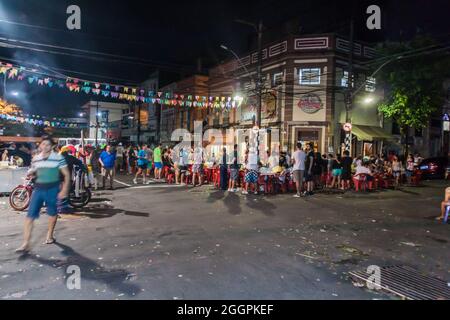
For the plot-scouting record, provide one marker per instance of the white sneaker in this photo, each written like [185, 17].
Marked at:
[134, 181]
[229, 190]
[244, 192]
[296, 196]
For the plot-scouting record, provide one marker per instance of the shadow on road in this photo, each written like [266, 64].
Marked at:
[90, 270]
[262, 205]
[233, 203]
[216, 196]
[102, 213]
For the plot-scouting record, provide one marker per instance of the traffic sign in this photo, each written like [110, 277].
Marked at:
[347, 127]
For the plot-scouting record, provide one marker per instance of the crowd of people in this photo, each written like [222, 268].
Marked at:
[307, 168]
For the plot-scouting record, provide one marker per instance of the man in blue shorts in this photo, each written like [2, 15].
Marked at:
[46, 167]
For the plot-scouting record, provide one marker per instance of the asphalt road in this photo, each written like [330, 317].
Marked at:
[170, 242]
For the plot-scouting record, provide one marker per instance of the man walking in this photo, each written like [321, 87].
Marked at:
[142, 164]
[309, 163]
[47, 167]
[108, 160]
[119, 157]
[157, 159]
[299, 158]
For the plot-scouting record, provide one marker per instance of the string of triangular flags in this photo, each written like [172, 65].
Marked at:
[60, 123]
[120, 92]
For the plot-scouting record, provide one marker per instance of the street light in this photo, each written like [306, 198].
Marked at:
[15, 93]
[238, 60]
[368, 100]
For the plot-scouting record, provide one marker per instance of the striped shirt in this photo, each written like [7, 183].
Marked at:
[47, 169]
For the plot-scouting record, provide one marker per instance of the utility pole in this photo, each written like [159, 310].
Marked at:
[259, 76]
[259, 86]
[139, 124]
[96, 125]
[349, 91]
[107, 125]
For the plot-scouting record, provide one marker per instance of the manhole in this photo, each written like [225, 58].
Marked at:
[407, 283]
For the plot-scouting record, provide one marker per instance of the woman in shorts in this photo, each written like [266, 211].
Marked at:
[336, 172]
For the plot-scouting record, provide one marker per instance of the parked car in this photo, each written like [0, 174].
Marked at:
[434, 168]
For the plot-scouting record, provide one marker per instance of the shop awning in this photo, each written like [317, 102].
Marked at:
[370, 133]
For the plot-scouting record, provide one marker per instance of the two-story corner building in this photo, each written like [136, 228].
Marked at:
[305, 78]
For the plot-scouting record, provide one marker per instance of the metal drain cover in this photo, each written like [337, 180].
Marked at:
[408, 283]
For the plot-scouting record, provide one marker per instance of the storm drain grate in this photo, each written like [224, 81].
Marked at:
[407, 283]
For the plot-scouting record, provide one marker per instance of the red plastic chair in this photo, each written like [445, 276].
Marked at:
[241, 178]
[216, 179]
[265, 182]
[359, 181]
[416, 178]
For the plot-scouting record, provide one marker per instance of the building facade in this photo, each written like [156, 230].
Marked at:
[104, 119]
[305, 78]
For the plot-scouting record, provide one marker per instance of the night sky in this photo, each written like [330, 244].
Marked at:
[172, 35]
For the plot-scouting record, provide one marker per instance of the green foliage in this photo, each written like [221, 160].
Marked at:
[413, 85]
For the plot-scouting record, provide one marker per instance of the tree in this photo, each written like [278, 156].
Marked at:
[414, 83]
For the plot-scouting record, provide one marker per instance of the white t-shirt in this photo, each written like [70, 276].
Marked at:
[252, 161]
[362, 169]
[119, 151]
[198, 156]
[273, 161]
[299, 160]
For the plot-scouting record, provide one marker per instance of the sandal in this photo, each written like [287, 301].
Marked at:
[50, 241]
[23, 250]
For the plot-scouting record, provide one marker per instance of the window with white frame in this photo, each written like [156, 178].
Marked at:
[248, 86]
[277, 79]
[344, 79]
[371, 84]
[309, 76]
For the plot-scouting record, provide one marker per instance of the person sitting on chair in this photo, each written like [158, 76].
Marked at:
[444, 203]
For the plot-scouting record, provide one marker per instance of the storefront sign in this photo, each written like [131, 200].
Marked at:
[310, 103]
[446, 126]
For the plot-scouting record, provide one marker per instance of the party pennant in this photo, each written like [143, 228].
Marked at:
[13, 73]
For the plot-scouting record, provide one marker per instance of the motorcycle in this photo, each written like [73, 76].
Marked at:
[80, 192]
[79, 195]
[20, 197]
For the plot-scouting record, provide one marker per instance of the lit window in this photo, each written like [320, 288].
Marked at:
[370, 84]
[278, 79]
[310, 76]
[344, 79]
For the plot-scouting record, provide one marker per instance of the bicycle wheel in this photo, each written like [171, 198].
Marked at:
[19, 199]
[81, 201]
